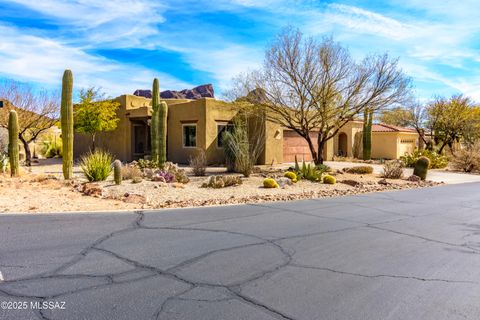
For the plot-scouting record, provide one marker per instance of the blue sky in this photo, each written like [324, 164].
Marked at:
[122, 45]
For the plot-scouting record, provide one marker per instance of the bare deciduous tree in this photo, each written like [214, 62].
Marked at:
[311, 86]
[37, 111]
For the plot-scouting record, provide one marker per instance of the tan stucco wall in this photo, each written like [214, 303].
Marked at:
[407, 143]
[192, 112]
[118, 141]
[350, 129]
[217, 112]
[273, 152]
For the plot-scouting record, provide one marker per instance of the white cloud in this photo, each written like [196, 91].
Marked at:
[119, 22]
[32, 58]
[365, 21]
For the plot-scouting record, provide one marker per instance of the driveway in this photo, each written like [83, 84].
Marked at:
[396, 255]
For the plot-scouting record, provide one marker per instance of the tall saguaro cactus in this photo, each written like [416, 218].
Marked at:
[66, 115]
[162, 131]
[154, 129]
[13, 143]
[367, 134]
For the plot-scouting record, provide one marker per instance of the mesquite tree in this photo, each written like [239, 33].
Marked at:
[37, 111]
[314, 86]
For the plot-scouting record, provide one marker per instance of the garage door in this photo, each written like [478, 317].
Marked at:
[293, 144]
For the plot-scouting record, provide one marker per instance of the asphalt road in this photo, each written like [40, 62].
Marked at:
[398, 255]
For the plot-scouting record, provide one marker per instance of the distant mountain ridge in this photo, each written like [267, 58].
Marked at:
[202, 91]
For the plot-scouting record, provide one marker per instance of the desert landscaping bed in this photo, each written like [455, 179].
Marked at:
[47, 193]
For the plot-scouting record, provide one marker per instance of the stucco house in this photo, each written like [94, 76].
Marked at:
[200, 123]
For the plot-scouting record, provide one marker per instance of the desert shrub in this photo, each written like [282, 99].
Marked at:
[437, 161]
[143, 164]
[323, 168]
[3, 162]
[150, 168]
[179, 174]
[359, 170]
[222, 181]
[291, 175]
[329, 179]
[421, 167]
[393, 169]
[467, 160]
[137, 179]
[198, 163]
[270, 183]
[309, 171]
[51, 147]
[96, 165]
[130, 171]
[244, 144]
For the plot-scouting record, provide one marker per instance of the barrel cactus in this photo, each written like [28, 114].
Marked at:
[66, 115]
[421, 167]
[154, 128]
[117, 171]
[162, 132]
[13, 143]
[270, 183]
[329, 179]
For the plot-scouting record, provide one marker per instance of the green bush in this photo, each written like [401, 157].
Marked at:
[359, 170]
[3, 162]
[323, 168]
[270, 183]
[308, 171]
[291, 175]
[97, 165]
[51, 147]
[329, 180]
[437, 161]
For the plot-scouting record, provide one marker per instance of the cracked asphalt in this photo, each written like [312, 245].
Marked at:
[411, 254]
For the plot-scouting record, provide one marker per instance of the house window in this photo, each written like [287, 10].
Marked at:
[189, 135]
[221, 129]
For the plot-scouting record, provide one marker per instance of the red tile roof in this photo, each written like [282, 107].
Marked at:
[381, 127]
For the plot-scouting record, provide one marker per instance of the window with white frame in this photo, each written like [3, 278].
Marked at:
[189, 135]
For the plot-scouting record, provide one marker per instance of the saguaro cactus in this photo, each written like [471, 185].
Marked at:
[13, 143]
[162, 132]
[66, 115]
[117, 171]
[367, 134]
[154, 129]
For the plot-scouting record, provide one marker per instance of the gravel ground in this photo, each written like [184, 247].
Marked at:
[43, 190]
[161, 195]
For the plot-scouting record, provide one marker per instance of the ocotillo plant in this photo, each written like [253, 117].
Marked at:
[154, 129]
[117, 171]
[162, 132]
[13, 143]
[367, 134]
[66, 115]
